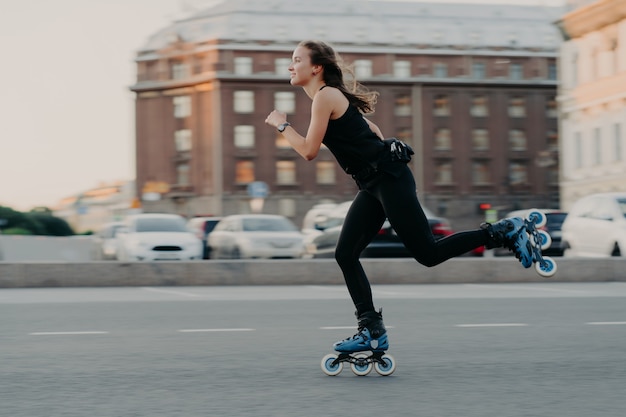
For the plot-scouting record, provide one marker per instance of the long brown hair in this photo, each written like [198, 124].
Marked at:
[334, 69]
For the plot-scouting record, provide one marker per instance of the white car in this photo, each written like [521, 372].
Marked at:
[157, 237]
[596, 226]
[106, 241]
[255, 236]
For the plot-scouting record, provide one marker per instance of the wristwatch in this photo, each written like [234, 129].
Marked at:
[281, 128]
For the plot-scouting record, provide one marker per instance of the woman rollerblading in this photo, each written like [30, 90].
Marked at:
[387, 190]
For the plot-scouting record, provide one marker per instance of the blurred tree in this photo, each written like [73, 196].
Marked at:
[39, 222]
[18, 220]
[52, 226]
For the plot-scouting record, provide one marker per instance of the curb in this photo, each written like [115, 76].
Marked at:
[298, 272]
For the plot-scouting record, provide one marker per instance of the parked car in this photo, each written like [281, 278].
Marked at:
[596, 226]
[152, 237]
[385, 244]
[554, 223]
[105, 241]
[201, 227]
[266, 236]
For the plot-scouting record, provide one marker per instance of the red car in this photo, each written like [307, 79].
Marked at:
[386, 244]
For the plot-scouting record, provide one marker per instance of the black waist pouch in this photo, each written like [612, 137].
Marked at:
[395, 155]
[398, 150]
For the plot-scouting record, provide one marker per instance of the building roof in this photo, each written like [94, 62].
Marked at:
[373, 22]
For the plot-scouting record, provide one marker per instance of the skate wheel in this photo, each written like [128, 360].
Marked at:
[544, 239]
[546, 267]
[389, 366]
[537, 217]
[361, 366]
[328, 367]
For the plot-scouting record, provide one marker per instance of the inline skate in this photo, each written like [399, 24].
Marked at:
[523, 238]
[363, 351]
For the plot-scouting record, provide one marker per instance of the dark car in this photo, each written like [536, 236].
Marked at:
[554, 223]
[201, 227]
[386, 244]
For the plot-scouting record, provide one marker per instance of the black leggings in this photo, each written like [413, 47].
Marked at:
[394, 199]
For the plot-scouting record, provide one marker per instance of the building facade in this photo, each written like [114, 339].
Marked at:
[592, 97]
[89, 210]
[472, 88]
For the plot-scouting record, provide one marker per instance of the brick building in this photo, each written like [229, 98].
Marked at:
[471, 87]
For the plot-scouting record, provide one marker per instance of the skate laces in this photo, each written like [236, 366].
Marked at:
[359, 334]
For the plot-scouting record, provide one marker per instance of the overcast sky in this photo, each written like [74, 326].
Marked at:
[66, 114]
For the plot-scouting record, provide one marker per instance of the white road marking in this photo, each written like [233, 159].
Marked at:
[338, 328]
[525, 287]
[334, 288]
[214, 330]
[347, 327]
[493, 325]
[181, 293]
[66, 333]
[606, 323]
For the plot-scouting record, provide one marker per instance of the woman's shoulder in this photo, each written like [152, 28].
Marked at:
[335, 99]
[329, 91]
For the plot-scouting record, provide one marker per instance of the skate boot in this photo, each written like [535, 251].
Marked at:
[510, 233]
[371, 335]
[355, 350]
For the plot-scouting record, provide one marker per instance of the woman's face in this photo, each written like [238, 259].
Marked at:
[301, 69]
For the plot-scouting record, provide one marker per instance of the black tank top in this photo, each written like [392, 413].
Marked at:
[352, 142]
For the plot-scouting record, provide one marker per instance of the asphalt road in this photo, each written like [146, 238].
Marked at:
[461, 350]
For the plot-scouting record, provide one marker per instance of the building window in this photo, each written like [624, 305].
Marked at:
[553, 175]
[480, 139]
[281, 65]
[325, 172]
[441, 106]
[402, 69]
[152, 70]
[478, 70]
[179, 70]
[440, 70]
[243, 65]
[443, 173]
[552, 110]
[552, 72]
[362, 68]
[517, 107]
[182, 139]
[182, 107]
[479, 106]
[285, 101]
[402, 105]
[578, 150]
[244, 101]
[597, 146]
[443, 139]
[480, 173]
[518, 173]
[552, 140]
[595, 59]
[244, 172]
[517, 140]
[516, 72]
[285, 172]
[617, 142]
[244, 136]
[404, 134]
[182, 174]
[287, 207]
